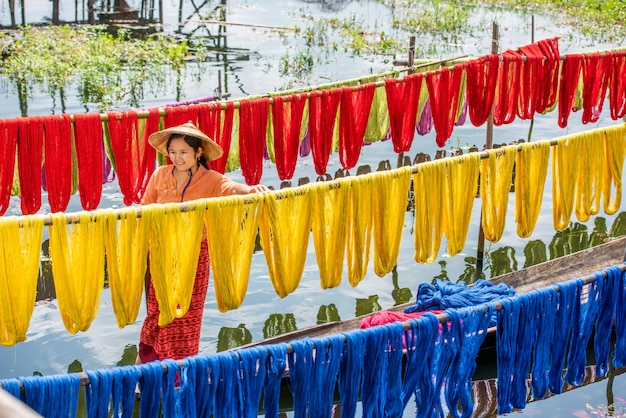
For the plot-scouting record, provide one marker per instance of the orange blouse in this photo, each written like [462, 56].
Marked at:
[162, 188]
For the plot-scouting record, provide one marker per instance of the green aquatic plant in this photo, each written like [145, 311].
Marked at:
[106, 69]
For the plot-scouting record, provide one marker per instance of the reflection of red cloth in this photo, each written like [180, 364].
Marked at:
[570, 74]
[8, 146]
[596, 76]
[88, 140]
[58, 154]
[444, 88]
[618, 86]
[287, 123]
[323, 105]
[402, 103]
[217, 123]
[482, 75]
[356, 104]
[29, 154]
[253, 116]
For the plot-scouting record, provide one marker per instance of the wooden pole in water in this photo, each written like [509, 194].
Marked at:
[480, 251]
[12, 11]
[410, 62]
[532, 41]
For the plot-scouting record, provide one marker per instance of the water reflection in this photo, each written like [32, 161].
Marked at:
[278, 324]
[367, 305]
[229, 338]
[328, 313]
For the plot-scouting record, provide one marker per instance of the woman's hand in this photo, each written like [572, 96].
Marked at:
[259, 188]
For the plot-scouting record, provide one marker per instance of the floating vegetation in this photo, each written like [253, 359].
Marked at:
[106, 69]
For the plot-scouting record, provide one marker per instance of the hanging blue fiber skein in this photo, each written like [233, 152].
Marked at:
[251, 378]
[619, 359]
[506, 346]
[328, 351]
[566, 320]
[300, 369]
[276, 364]
[544, 341]
[125, 380]
[98, 393]
[587, 312]
[350, 371]
[606, 312]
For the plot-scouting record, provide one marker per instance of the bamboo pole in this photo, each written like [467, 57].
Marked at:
[480, 250]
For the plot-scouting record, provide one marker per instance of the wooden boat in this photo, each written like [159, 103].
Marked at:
[579, 264]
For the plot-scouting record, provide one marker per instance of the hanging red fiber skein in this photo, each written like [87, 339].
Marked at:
[444, 90]
[29, 157]
[125, 143]
[8, 148]
[402, 103]
[596, 76]
[253, 116]
[88, 141]
[323, 105]
[287, 123]
[482, 76]
[617, 87]
[568, 84]
[508, 90]
[355, 107]
[58, 160]
[210, 122]
[148, 160]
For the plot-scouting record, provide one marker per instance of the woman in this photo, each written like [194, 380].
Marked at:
[187, 178]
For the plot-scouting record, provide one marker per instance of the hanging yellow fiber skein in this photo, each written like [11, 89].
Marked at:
[460, 187]
[531, 168]
[590, 173]
[496, 174]
[284, 230]
[564, 166]
[615, 151]
[174, 250]
[359, 228]
[126, 241]
[428, 192]
[390, 199]
[232, 223]
[329, 230]
[20, 251]
[77, 254]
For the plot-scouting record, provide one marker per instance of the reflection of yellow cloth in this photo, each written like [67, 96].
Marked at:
[126, 242]
[564, 173]
[615, 151]
[359, 229]
[284, 230]
[531, 168]
[428, 192]
[232, 223]
[460, 187]
[174, 250]
[19, 252]
[390, 196]
[329, 230]
[496, 173]
[77, 253]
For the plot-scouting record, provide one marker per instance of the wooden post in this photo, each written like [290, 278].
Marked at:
[55, 12]
[12, 11]
[23, 13]
[532, 41]
[480, 250]
[410, 62]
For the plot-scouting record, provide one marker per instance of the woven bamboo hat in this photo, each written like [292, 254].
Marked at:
[210, 149]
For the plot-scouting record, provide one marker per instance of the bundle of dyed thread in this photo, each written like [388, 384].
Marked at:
[444, 294]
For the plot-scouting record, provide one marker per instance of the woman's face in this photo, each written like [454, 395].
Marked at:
[182, 155]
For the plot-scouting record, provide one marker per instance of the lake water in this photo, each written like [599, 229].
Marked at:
[49, 349]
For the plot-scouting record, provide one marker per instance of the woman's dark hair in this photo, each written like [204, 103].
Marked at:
[193, 142]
